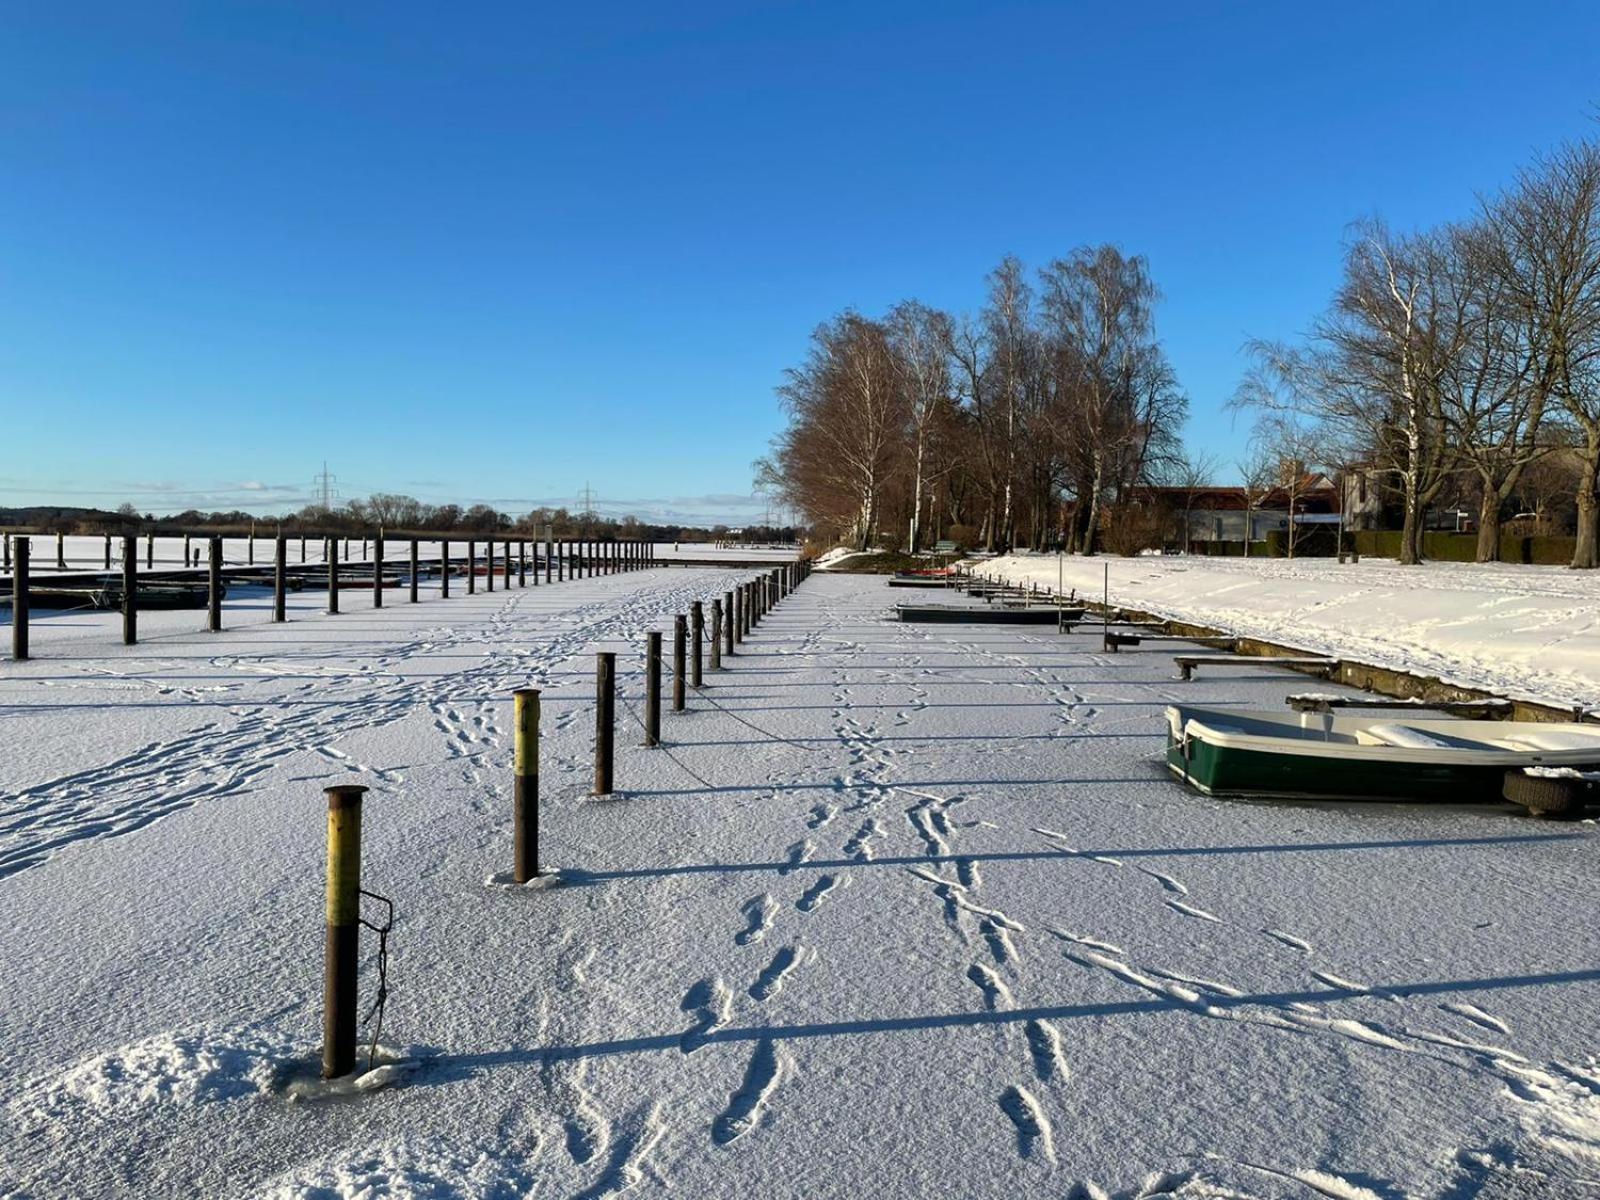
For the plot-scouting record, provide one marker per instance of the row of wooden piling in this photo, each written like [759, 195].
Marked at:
[734, 615]
[562, 560]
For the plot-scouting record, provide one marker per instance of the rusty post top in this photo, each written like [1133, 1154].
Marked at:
[345, 795]
[526, 692]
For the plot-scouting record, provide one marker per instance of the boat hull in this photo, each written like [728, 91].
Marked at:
[1232, 771]
[954, 614]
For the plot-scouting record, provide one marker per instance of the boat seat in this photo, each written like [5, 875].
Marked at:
[1553, 739]
[1404, 736]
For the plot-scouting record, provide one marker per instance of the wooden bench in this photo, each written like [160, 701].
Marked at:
[1313, 702]
[1188, 662]
[1115, 641]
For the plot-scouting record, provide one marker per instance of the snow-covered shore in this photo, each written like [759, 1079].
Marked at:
[1528, 632]
[899, 911]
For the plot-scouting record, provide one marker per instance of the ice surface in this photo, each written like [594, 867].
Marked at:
[937, 923]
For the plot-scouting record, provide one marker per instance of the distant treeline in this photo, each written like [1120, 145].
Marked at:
[390, 513]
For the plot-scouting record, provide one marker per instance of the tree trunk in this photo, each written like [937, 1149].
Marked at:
[1489, 526]
[1410, 536]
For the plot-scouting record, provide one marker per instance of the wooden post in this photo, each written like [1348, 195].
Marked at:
[333, 576]
[605, 679]
[697, 621]
[302, 549]
[414, 569]
[214, 587]
[472, 566]
[525, 786]
[280, 580]
[108, 552]
[377, 572]
[6, 543]
[730, 621]
[343, 908]
[61, 551]
[149, 551]
[250, 553]
[489, 554]
[716, 634]
[19, 601]
[652, 688]
[444, 569]
[680, 635]
[522, 563]
[130, 592]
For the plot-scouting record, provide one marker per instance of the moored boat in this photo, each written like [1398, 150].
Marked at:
[1235, 752]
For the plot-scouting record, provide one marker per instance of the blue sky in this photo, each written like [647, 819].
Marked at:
[496, 252]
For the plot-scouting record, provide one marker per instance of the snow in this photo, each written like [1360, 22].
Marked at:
[937, 922]
[1525, 632]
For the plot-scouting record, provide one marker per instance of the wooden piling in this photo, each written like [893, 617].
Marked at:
[130, 591]
[214, 587]
[652, 688]
[333, 576]
[377, 572]
[680, 635]
[605, 689]
[19, 600]
[697, 623]
[280, 580]
[716, 634]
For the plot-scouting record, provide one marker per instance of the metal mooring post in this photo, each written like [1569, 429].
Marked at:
[413, 570]
[729, 621]
[605, 699]
[525, 786]
[472, 566]
[716, 634]
[652, 688]
[489, 553]
[333, 576]
[339, 966]
[61, 551]
[444, 569]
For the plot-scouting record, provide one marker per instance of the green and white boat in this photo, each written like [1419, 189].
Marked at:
[1235, 752]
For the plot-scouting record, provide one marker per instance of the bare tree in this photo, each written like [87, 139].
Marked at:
[920, 339]
[1547, 235]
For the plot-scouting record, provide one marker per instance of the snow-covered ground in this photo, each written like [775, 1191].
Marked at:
[1528, 632]
[899, 911]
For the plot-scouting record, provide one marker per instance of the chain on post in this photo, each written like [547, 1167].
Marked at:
[376, 1011]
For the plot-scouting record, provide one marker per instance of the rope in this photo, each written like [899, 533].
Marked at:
[383, 972]
[767, 733]
[661, 746]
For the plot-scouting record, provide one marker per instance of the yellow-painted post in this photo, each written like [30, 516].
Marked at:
[525, 786]
[339, 965]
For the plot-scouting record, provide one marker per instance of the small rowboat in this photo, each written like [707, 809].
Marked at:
[971, 614]
[1233, 752]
